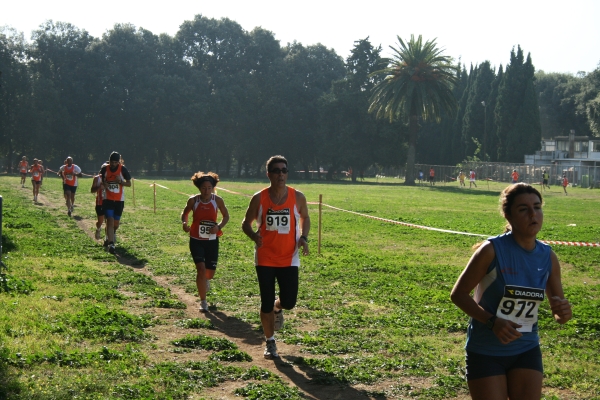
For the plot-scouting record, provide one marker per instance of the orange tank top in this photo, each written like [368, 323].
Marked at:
[69, 175]
[279, 227]
[36, 173]
[204, 218]
[23, 166]
[115, 190]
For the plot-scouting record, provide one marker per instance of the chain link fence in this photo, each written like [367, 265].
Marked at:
[582, 176]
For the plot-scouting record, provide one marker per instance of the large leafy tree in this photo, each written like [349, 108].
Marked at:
[418, 85]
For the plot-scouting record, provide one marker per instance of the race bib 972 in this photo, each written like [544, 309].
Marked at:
[521, 304]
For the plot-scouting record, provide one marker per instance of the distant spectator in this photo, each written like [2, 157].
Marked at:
[515, 176]
[565, 183]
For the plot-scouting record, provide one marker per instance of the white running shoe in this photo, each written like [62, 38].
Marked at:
[203, 306]
[271, 350]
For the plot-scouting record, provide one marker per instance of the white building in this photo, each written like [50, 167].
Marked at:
[577, 156]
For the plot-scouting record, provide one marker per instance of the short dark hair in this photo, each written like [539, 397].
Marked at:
[275, 160]
[114, 156]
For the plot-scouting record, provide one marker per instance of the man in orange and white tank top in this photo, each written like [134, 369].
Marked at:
[204, 230]
[37, 171]
[114, 178]
[69, 173]
[23, 168]
[282, 227]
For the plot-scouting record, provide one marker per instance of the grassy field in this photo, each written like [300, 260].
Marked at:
[373, 320]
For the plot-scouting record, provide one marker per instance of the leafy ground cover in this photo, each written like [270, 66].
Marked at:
[373, 319]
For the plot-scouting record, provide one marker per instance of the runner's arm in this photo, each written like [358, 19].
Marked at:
[250, 217]
[561, 308]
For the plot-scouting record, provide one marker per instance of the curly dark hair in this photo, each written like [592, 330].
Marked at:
[200, 177]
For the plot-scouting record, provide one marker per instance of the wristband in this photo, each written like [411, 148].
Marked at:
[305, 238]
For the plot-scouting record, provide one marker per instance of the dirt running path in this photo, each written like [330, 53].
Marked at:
[241, 333]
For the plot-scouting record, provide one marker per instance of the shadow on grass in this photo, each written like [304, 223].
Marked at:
[235, 328]
[318, 384]
[124, 257]
[9, 384]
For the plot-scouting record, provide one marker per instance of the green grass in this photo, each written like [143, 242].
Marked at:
[373, 307]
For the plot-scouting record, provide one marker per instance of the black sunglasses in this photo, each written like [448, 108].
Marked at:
[278, 170]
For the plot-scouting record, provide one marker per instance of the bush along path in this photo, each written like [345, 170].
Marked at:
[147, 331]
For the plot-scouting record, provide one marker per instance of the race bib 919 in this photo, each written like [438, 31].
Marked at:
[278, 220]
[521, 304]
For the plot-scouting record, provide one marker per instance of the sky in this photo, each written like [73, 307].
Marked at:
[560, 36]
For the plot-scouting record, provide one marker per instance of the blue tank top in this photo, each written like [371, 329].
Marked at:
[513, 288]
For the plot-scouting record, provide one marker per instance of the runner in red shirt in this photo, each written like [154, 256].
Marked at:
[114, 178]
[23, 168]
[37, 172]
[69, 172]
[565, 183]
[204, 230]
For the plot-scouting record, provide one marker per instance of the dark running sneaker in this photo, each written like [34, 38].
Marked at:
[111, 248]
[271, 350]
[278, 320]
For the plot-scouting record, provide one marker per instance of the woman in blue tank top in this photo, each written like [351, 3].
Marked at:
[511, 274]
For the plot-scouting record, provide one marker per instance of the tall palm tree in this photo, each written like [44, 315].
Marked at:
[418, 84]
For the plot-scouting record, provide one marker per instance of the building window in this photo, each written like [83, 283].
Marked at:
[562, 146]
[581, 147]
[597, 146]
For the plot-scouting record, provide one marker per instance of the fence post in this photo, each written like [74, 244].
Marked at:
[133, 190]
[320, 222]
[154, 185]
[1, 212]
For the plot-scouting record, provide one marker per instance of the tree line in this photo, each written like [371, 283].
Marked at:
[217, 97]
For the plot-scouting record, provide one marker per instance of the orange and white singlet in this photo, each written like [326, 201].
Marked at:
[100, 191]
[23, 165]
[115, 190]
[204, 217]
[69, 177]
[279, 227]
[36, 173]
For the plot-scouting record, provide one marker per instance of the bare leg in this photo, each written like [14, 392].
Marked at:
[490, 388]
[524, 384]
[201, 280]
[110, 230]
[268, 323]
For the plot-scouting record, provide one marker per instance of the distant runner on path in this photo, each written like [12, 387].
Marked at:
[23, 168]
[69, 173]
[283, 224]
[204, 230]
[114, 177]
[472, 179]
[37, 171]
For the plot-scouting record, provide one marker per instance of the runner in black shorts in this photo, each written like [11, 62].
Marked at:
[204, 230]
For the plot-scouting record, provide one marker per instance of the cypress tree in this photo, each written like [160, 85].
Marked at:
[458, 148]
[474, 119]
[514, 125]
[492, 135]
